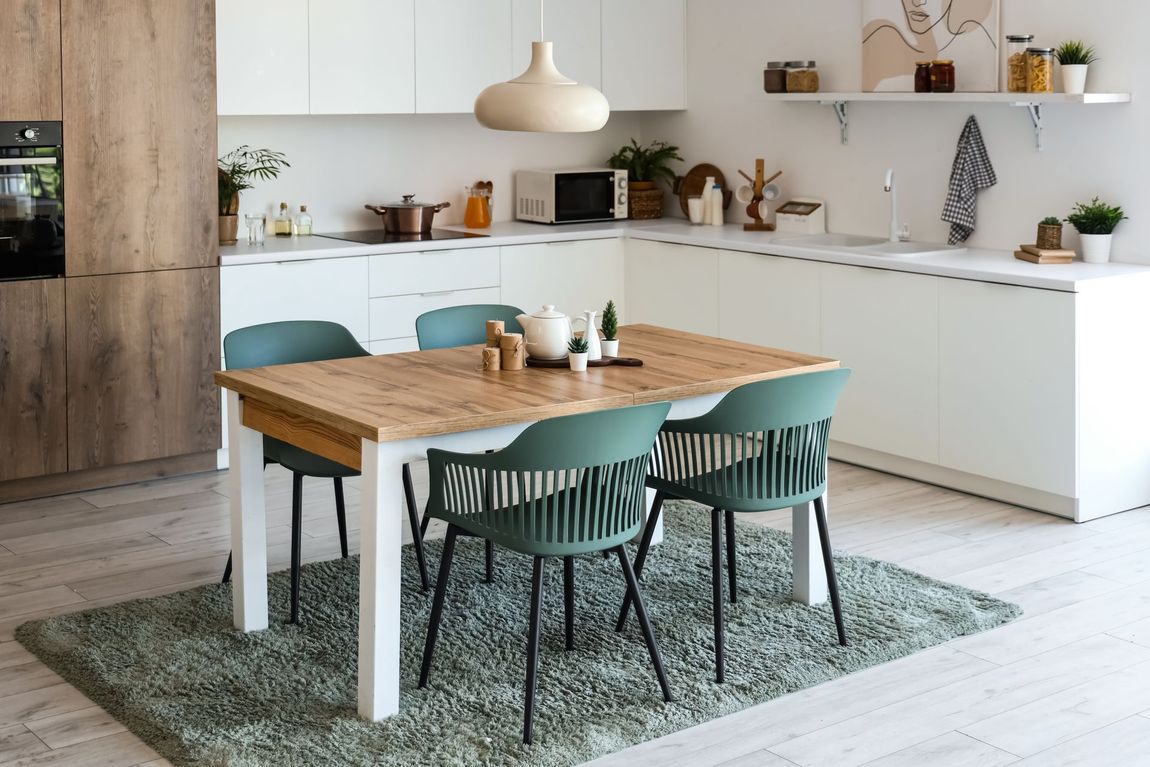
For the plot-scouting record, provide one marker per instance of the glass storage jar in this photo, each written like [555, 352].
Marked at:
[775, 77]
[942, 76]
[922, 77]
[802, 77]
[1040, 70]
[1016, 46]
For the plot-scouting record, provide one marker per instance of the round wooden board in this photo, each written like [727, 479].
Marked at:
[692, 183]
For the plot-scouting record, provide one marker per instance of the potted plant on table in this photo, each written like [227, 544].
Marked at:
[610, 328]
[1095, 222]
[1075, 57]
[645, 165]
[236, 171]
[577, 353]
[1049, 234]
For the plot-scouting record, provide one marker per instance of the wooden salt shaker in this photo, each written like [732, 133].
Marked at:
[491, 360]
[494, 331]
[514, 355]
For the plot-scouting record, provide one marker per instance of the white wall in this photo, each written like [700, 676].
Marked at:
[1098, 150]
[341, 163]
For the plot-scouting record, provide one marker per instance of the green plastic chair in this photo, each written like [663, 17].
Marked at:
[762, 448]
[280, 343]
[567, 486]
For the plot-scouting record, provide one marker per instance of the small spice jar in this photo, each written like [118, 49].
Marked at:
[802, 77]
[1040, 70]
[775, 77]
[942, 76]
[1016, 46]
[922, 82]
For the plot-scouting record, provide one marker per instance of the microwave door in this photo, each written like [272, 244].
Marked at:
[584, 197]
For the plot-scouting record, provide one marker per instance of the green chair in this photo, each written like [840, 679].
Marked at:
[565, 487]
[280, 343]
[762, 448]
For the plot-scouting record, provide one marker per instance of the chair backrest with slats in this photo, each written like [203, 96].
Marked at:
[282, 343]
[463, 325]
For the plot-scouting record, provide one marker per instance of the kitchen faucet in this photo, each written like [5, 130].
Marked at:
[889, 187]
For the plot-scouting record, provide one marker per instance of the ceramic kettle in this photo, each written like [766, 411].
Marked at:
[547, 333]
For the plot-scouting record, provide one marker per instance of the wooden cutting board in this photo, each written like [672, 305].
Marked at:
[631, 362]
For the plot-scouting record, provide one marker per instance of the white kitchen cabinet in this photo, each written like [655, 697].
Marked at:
[262, 57]
[433, 271]
[574, 276]
[394, 345]
[573, 27]
[643, 61]
[676, 286]
[362, 56]
[460, 49]
[769, 301]
[884, 326]
[393, 317]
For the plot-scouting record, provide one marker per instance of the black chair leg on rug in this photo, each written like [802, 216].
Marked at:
[227, 570]
[717, 587]
[569, 601]
[641, 614]
[488, 562]
[533, 649]
[437, 605]
[296, 541]
[731, 585]
[641, 558]
[340, 516]
[829, 564]
[423, 525]
[413, 520]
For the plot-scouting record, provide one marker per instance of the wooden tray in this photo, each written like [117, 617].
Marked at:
[631, 362]
[691, 185]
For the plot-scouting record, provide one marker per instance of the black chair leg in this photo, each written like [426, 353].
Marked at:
[489, 562]
[641, 614]
[437, 605]
[296, 541]
[413, 520]
[227, 570]
[717, 587]
[340, 516]
[423, 525]
[829, 564]
[569, 601]
[730, 520]
[533, 649]
[641, 557]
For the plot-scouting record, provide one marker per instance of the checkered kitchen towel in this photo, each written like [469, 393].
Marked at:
[972, 171]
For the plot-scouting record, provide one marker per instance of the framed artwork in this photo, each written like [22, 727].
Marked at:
[897, 33]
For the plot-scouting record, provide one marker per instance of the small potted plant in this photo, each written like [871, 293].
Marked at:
[1095, 222]
[610, 327]
[236, 170]
[645, 165]
[1075, 57]
[577, 353]
[1050, 234]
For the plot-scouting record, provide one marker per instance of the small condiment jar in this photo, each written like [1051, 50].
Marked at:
[775, 77]
[802, 77]
[922, 83]
[1040, 70]
[942, 76]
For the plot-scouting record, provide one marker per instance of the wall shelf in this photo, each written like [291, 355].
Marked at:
[1033, 102]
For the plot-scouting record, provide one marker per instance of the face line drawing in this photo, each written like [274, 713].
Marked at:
[910, 7]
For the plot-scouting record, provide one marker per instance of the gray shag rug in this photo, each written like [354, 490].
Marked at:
[173, 671]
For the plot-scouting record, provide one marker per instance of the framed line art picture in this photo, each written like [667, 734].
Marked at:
[897, 33]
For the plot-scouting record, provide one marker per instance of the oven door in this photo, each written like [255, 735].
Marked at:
[31, 212]
[584, 196]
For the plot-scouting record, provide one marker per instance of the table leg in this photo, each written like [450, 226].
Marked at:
[809, 575]
[381, 546]
[249, 526]
[657, 536]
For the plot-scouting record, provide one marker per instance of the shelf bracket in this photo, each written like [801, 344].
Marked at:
[1035, 111]
[840, 108]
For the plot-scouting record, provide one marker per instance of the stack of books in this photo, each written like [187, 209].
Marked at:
[1037, 255]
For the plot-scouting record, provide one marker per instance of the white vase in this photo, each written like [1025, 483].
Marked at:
[610, 348]
[578, 362]
[1096, 248]
[1074, 78]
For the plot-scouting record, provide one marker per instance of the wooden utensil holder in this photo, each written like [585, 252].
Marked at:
[513, 354]
[758, 183]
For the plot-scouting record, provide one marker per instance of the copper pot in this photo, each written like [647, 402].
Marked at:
[407, 217]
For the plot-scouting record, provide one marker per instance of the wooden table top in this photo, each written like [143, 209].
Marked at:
[399, 396]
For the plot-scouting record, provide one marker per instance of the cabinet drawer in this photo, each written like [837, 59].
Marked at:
[402, 274]
[394, 345]
[394, 316]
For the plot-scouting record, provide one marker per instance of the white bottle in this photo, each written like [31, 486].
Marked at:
[706, 195]
[716, 205]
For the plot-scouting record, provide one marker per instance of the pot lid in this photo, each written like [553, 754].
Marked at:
[548, 312]
[409, 202]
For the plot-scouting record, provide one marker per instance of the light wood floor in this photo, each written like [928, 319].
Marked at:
[1069, 684]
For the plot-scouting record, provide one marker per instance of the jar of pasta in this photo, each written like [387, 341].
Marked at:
[802, 77]
[1016, 46]
[1040, 70]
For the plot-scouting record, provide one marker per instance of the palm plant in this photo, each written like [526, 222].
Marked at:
[239, 167]
[646, 163]
[1075, 53]
[1095, 217]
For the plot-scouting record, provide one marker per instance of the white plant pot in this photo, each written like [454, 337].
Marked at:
[1074, 78]
[610, 348]
[578, 361]
[1096, 248]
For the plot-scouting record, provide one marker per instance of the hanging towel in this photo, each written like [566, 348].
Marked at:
[972, 172]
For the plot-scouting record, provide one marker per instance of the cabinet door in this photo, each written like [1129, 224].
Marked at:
[30, 60]
[884, 326]
[33, 407]
[643, 43]
[1007, 384]
[574, 276]
[769, 301]
[351, 71]
[262, 56]
[460, 49]
[141, 352]
[140, 135]
[674, 286]
[575, 29]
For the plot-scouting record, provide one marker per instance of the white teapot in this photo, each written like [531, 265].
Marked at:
[547, 333]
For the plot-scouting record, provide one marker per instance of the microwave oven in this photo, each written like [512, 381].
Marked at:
[569, 196]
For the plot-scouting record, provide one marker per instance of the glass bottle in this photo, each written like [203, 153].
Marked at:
[1016, 46]
[477, 215]
[303, 223]
[922, 82]
[283, 221]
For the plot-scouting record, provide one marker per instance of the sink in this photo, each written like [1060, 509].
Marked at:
[831, 240]
[909, 249]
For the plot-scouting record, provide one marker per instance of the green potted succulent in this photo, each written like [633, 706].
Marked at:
[1050, 233]
[577, 353]
[645, 165]
[1075, 57]
[1095, 222]
[610, 328]
[237, 169]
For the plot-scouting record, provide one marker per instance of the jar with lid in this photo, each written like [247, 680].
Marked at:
[1016, 46]
[922, 82]
[1040, 70]
[802, 77]
[775, 77]
[942, 76]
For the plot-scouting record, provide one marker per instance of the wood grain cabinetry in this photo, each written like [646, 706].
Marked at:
[30, 60]
[33, 432]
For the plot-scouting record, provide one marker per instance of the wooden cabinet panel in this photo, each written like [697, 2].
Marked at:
[769, 301]
[644, 53]
[351, 72]
[33, 431]
[574, 276]
[140, 141]
[675, 286]
[460, 49]
[30, 60]
[141, 352]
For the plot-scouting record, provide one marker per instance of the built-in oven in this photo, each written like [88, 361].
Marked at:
[31, 200]
[569, 196]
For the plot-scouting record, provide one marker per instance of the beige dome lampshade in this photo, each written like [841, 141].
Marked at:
[542, 100]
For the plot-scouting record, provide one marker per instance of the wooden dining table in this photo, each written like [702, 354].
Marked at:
[375, 414]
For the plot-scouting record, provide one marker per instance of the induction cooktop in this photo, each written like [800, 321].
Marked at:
[380, 237]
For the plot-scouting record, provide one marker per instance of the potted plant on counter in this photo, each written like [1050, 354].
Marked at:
[577, 353]
[1075, 57]
[645, 165]
[1049, 234]
[236, 171]
[1095, 222]
[610, 327]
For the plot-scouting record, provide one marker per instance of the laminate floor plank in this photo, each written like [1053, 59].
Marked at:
[17, 742]
[1058, 591]
[31, 601]
[1137, 632]
[33, 675]
[75, 727]
[14, 654]
[26, 707]
[1123, 743]
[990, 552]
[120, 750]
[42, 508]
[156, 489]
[21, 564]
[950, 750]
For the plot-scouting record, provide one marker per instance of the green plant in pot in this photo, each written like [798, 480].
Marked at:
[236, 172]
[1075, 57]
[645, 165]
[1096, 222]
[577, 349]
[1050, 233]
[610, 327]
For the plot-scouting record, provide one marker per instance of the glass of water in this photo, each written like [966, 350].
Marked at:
[257, 225]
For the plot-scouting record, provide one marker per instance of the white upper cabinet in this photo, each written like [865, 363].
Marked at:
[262, 57]
[574, 27]
[461, 47]
[362, 56]
[643, 62]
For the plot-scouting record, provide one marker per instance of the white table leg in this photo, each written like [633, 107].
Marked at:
[809, 575]
[381, 542]
[249, 530]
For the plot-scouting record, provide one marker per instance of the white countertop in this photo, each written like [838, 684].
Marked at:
[972, 264]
